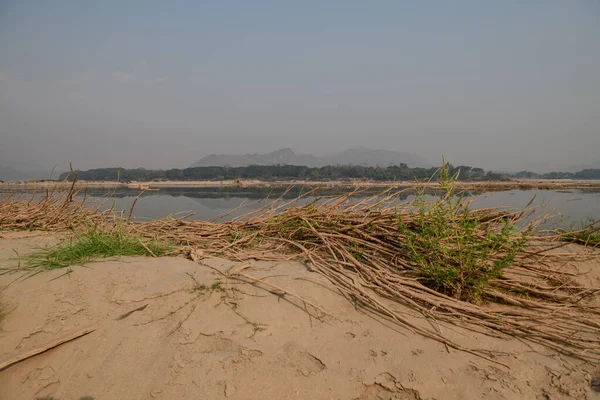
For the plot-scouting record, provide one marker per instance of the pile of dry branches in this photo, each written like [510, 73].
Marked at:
[361, 248]
[50, 211]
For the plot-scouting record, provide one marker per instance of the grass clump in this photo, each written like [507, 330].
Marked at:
[203, 288]
[92, 244]
[452, 250]
[588, 234]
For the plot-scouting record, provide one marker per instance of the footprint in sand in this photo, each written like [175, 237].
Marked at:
[304, 362]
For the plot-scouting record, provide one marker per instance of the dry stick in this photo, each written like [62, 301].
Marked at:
[47, 347]
[128, 313]
[225, 214]
[135, 201]
[70, 195]
[147, 248]
[382, 310]
[286, 292]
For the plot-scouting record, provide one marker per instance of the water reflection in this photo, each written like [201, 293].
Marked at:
[207, 203]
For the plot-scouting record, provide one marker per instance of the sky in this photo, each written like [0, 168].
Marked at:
[503, 85]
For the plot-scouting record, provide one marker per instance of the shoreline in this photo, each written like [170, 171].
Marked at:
[483, 186]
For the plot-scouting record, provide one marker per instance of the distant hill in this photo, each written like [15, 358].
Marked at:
[10, 174]
[25, 171]
[283, 156]
[369, 157]
[355, 156]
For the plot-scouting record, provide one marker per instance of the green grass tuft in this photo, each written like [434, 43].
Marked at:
[203, 288]
[93, 244]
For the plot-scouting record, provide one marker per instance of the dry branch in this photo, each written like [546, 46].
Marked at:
[49, 346]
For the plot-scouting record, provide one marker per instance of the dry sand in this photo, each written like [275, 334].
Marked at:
[241, 342]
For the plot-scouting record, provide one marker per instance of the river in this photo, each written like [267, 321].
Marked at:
[208, 203]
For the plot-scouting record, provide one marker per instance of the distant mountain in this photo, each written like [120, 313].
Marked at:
[369, 157]
[10, 174]
[283, 156]
[24, 171]
[354, 156]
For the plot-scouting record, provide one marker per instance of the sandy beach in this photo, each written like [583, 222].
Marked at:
[157, 338]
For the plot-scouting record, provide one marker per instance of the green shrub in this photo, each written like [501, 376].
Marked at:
[452, 250]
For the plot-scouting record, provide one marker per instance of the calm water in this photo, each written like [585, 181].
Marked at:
[207, 203]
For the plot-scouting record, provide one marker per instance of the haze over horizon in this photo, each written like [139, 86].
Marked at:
[500, 85]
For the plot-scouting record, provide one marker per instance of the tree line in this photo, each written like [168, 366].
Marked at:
[399, 172]
[589, 173]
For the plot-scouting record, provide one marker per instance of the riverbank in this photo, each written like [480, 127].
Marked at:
[482, 186]
[338, 299]
[175, 328]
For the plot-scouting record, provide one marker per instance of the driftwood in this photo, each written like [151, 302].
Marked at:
[49, 346]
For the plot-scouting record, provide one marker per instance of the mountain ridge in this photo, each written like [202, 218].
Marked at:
[286, 156]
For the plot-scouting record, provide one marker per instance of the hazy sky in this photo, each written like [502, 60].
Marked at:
[498, 84]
